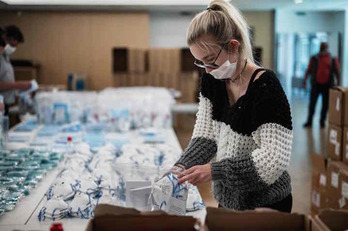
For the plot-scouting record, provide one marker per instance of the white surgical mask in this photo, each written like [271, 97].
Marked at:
[225, 71]
[9, 50]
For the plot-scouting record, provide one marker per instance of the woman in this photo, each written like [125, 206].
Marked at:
[244, 118]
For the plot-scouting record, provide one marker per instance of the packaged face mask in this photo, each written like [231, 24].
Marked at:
[56, 206]
[61, 115]
[194, 200]
[169, 196]
[80, 202]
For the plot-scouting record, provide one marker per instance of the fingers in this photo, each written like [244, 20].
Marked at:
[189, 177]
[187, 172]
[185, 178]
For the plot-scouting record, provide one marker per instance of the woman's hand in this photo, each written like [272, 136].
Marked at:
[196, 175]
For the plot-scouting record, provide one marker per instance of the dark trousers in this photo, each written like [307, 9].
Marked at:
[316, 90]
[7, 107]
[284, 205]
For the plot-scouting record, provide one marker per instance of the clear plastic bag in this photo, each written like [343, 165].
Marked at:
[169, 196]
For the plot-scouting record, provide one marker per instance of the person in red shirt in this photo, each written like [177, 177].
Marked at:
[322, 68]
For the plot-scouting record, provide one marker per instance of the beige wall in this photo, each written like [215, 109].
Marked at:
[263, 24]
[79, 42]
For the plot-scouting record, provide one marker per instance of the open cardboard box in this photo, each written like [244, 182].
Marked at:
[109, 217]
[330, 220]
[260, 219]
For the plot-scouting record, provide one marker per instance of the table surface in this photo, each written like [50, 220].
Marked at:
[25, 214]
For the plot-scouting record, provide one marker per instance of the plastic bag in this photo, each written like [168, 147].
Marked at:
[169, 196]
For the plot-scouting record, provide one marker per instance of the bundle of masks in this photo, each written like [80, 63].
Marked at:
[21, 171]
[89, 178]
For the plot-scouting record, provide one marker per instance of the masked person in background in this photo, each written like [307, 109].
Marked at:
[322, 69]
[10, 37]
[243, 124]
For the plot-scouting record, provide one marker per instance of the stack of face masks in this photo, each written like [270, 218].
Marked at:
[159, 155]
[85, 180]
[21, 171]
[89, 178]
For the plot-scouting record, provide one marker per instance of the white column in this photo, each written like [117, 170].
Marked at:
[345, 50]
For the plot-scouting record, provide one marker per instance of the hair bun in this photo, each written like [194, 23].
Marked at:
[214, 7]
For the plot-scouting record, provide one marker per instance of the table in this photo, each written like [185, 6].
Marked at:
[25, 214]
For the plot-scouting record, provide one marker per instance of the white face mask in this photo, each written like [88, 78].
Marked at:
[9, 50]
[225, 71]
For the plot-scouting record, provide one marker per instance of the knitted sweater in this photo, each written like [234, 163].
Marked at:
[250, 140]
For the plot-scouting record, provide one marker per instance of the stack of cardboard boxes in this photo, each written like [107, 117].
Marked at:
[330, 178]
[170, 68]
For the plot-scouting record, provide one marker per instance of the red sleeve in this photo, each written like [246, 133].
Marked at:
[337, 64]
[309, 64]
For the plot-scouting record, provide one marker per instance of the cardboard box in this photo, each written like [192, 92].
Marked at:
[330, 220]
[264, 219]
[319, 200]
[337, 173]
[334, 142]
[108, 217]
[337, 203]
[338, 112]
[333, 171]
[318, 171]
[343, 178]
[345, 145]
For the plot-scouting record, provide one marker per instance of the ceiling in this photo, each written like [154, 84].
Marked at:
[170, 5]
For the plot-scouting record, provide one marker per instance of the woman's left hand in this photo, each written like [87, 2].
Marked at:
[196, 175]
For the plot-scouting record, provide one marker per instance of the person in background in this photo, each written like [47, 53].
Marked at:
[10, 37]
[243, 120]
[322, 68]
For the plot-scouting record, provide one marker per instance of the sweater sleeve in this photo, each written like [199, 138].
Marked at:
[202, 147]
[271, 118]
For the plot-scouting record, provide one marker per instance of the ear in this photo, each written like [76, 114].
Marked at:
[234, 45]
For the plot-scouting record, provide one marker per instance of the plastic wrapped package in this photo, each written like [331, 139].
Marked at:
[148, 106]
[65, 107]
[170, 196]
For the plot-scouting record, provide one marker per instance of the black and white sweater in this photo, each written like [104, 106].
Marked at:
[251, 141]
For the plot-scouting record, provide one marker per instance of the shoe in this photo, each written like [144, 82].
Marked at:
[307, 125]
[322, 124]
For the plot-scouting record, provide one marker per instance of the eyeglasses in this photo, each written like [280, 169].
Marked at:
[208, 65]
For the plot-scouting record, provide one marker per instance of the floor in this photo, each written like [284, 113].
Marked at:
[305, 141]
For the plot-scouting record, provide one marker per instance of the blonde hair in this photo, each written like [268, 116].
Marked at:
[225, 22]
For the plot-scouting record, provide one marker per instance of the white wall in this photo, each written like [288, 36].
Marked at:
[289, 22]
[168, 30]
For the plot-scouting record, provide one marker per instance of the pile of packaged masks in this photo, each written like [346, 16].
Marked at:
[65, 107]
[151, 135]
[122, 108]
[147, 106]
[156, 155]
[21, 171]
[49, 130]
[26, 127]
[91, 177]
[85, 181]
[72, 127]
